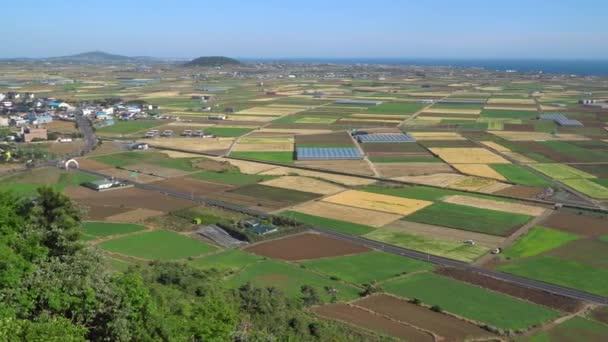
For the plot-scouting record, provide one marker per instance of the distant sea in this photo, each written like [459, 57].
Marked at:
[567, 67]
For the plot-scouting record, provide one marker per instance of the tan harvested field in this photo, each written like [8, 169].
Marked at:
[440, 179]
[267, 147]
[495, 146]
[192, 186]
[447, 327]
[511, 101]
[524, 108]
[157, 170]
[134, 216]
[468, 155]
[129, 198]
[305, 184]
[531, 136]
[519, 158]
[479, 170]
[346, 180]
[509, 207]
[550, 108]
[489, 88]
[360, 167]
[210, 144]
[445, 233]
[372, 201]
[248, 167]
[496, 187]
[306, 246]
[383, 116]
[393, 170]
[436, 136]
[177, 154]
[453, 111]
[472, 183]
[346, 213]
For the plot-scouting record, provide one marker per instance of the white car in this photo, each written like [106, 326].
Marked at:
[469, 242]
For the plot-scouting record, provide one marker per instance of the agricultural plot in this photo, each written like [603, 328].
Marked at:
[126, 159]
[26, 184]
[285, 157]
[327, 223]
[305, 247]
[520, 175]
[347, 213]
[157, 245]
[102, 229]
[289, 279]
[378, 202]
[227, 260]
[479, 170]
[463, 217]
[128, 127]
[230, 177]
[483, 203]
[287, 197]
[537, 241]
[473, 155]
[574, 329]
[227, 132]
[306, 184]
[367, 268]
[508, 114]
[472, 302]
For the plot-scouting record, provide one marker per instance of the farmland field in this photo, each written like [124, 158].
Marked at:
[289, 279]
[275, 194]
[232, 178]
[537, 241]
[561, 171]
[227, 131]
[519, 175]
[108, 228]
[469, 218]
[129, 127]
[574, 329]
[230, 259]
[327, 223]
[157, 245]
[367, 267]
[471, 302]
[276, 157]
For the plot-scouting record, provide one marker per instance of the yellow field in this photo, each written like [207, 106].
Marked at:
[472, 183]
[349, 214]
[530, 108]
[436, 136]
[532, 136]
[466, 155]
[304, 184]
[438, 179]
[492, 188]
[495, 205]
[177, 155]
[453, 111]
[479, 170]
[346, 180]
[547, 108]
[511, 101]
[495, 146]
[489, 88]
[520, 157]
[371, 201]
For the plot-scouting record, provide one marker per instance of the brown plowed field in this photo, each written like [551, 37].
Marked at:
[448, 327]
[391, 170]
[577, 224]
[100, 212]
[130, 198]
[536, 296]
[598, 170]
[306, 247]
[520, 191]
[600, 314]
[518, 128]
[548, 152]
[192, 186]
[367, 320]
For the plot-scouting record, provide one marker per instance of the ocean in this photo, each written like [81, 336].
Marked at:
[566, 67]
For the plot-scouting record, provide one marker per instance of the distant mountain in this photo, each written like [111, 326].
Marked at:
[211, 61]
[93, 56]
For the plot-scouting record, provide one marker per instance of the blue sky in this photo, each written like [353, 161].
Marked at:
[561, 29]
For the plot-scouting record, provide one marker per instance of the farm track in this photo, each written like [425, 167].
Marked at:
[535, 284]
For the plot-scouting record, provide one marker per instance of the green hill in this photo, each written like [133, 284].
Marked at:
[212, 61]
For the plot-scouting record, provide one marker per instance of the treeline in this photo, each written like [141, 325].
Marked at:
[53, 288]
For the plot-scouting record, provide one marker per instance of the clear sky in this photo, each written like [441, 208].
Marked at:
[311, 28]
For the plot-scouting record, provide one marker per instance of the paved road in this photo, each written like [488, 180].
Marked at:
[559, 290]
[86, 128]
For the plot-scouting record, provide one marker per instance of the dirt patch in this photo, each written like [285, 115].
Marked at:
[393, 170]
[214, 165]
[130, 198]
[536, 296]
[577, 224]
[445, 233]
[365, 319]
[192, 186]
[495, 205]
[448, 327]
[447, 143]
[520, 191]
[532, 136]
[349, 214]
[591, 252]
[402, 148]
[304, 184]
[134, 216]
[306, 247]
[202, 145]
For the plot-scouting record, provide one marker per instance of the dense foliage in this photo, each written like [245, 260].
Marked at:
[53, 288]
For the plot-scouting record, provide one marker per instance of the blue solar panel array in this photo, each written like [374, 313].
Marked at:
[385, 138]
[560, 119]
[328, 153]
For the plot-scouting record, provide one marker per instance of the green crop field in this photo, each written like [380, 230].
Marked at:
[469, 218]
[277, 157]
[574, 329]
[519, 175]
[511, 114]
[227, 131]
[109, 228]
[562, 272]
[470, 301]
[125, 159]
[396, 108]
[367, 267]
[157, 245]
[537, 241]
[331, 224]
[232, 178]
[580, 153]
[129, 127]
[561, 171]
[446, 248]
[289, 279]
[26, 184]
[230, 259]
[588, 187]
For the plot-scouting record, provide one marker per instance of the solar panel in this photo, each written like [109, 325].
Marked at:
[560, 119]
[328, 153]
[394, 138]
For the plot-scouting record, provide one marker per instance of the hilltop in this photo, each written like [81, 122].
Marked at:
[211, 61]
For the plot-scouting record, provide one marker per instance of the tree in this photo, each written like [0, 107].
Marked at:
[310, 295]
